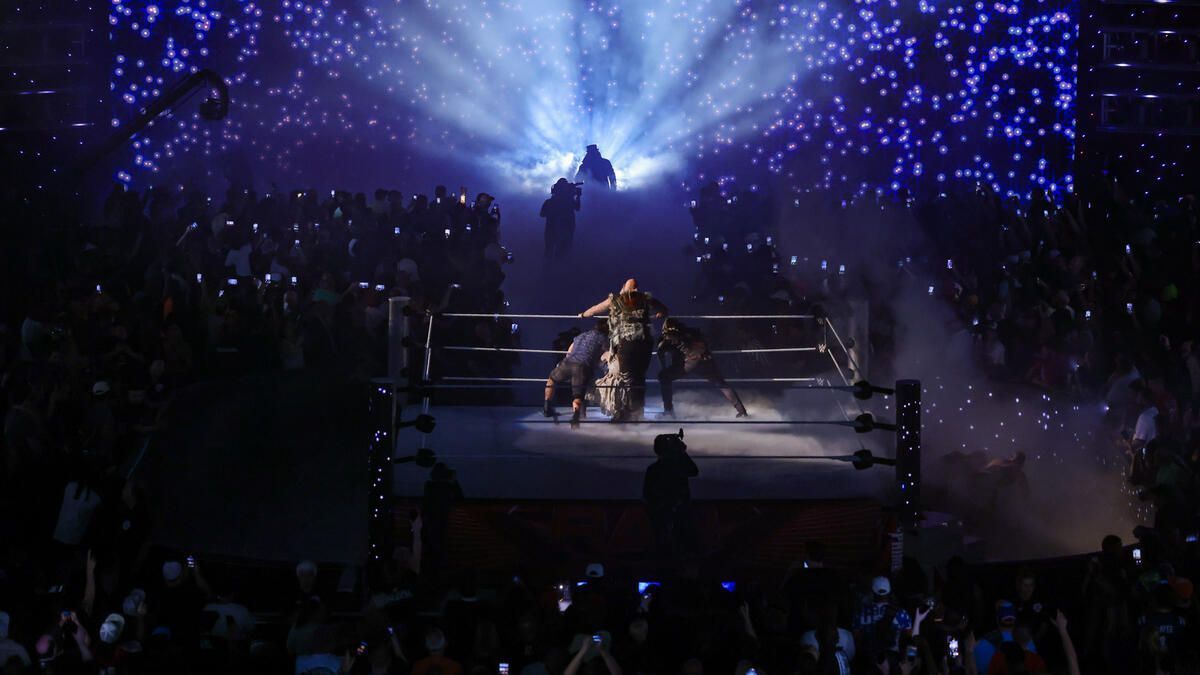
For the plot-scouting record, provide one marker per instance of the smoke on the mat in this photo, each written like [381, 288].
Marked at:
[645, 235]
[1075, 498]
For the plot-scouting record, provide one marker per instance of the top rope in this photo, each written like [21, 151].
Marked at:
[457, 315]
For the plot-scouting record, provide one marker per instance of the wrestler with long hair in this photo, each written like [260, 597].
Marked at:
[630, 312]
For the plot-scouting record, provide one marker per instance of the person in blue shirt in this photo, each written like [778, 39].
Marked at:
[577, 368]
[1006, 623]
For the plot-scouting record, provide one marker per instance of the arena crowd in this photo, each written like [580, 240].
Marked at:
[171, 287]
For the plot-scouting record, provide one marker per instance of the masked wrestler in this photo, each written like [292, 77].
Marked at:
[683, 350]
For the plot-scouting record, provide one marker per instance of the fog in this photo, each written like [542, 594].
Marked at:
[1074, 497]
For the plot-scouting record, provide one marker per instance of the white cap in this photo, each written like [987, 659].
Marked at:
[110, 630]
[594, 571]
[100, 388]
[881, 586]
[306, 568]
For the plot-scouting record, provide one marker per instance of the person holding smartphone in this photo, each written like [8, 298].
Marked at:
[587, 647]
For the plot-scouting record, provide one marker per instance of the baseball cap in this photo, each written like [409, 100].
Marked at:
[172, 570]
[881, 586]
[100, 388]
[110, 630]
[306, 568]
[1006, 612]
[594, 571]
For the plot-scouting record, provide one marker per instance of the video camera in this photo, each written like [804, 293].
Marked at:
[568, 188]
[669, 445]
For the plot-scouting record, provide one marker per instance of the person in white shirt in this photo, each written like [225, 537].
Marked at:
[234, 620]
[1146, 428]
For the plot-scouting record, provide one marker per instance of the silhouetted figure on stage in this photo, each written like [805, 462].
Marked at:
[667, 495]
[559, 212]
[629, 316]
[683, 350]
[442, 492]
[595, 170]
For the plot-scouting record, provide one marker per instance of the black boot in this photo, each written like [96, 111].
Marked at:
[547, 409]
[575, 417]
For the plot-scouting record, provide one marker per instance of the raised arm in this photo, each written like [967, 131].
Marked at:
[595, 309]
[1060, 622]
[573, 667]
[613, 667]
[89, 588]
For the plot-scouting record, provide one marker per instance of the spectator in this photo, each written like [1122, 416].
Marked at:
[10, 649]
[442, 493]
[306, 580]
[879, 623]
[436, 662]
[1007, 632]
[234, 622]
[1033, 613]
[311, 640]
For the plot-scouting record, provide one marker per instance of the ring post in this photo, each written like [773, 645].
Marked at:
[425, 372]
[908, 452]
[379, 464]
[398, 358]
[398, 329]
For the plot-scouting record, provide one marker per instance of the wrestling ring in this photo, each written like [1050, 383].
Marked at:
[810, 434]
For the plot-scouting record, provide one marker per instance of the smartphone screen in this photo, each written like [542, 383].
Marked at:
[644, 586]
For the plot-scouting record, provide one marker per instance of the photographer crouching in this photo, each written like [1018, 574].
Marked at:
[559, 212]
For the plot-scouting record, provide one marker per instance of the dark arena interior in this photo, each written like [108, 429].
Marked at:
[587, 337]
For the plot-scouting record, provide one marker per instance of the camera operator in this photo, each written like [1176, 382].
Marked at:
[559, 212]
[667, 495]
